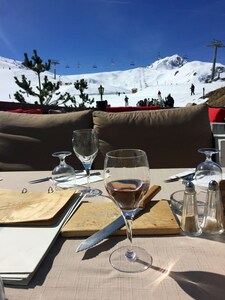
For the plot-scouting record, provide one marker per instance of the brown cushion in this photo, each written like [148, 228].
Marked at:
[170, 137]
[28, 141]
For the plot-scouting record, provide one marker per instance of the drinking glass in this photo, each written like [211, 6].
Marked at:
[127, 179]
[63, 175]
[85, 146]
[2, 292]
[207, 170]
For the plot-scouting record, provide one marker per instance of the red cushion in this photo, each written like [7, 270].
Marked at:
[216, 114]
[27, 111]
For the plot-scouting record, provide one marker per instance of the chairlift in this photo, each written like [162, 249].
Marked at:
[78, 66]
[132, 64]
[67, 67]
[113, 62]
[94, 66]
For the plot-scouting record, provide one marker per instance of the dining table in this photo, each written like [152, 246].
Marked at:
[184, 267]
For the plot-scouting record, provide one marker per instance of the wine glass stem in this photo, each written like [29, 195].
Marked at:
[130, 253]
[88, 178]
[62, 160]
[209, 157]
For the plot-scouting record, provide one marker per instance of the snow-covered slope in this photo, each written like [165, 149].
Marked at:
[172, 75]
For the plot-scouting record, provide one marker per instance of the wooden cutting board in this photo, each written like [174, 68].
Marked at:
[91, 217]
[41, 208]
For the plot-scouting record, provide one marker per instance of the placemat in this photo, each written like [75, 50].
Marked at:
[157, 218]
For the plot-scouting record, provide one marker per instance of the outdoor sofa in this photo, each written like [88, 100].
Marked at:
[170, 137]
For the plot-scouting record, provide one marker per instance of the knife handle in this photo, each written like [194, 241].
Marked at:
[154, 190]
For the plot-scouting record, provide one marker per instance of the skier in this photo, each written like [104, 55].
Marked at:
[192, 89]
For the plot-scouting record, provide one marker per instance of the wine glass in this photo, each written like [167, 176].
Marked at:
[207, 170]
[85, 146]
[127, 179]
[63, 175]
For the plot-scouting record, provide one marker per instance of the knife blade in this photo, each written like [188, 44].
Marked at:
[79, 176]
[40, 180]
[100, 235]
[79, 173]
[186, 176]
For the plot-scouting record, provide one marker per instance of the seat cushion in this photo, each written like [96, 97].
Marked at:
[170, 137]
[27, 141]
[217, 114]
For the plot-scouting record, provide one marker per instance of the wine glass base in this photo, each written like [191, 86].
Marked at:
[67, 185]
[141, 262]
[91, 192]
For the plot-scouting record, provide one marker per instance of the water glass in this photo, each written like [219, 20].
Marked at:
[2, 291]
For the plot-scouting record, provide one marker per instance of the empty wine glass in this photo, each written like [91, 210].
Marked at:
[127, 179]
[85, 146]
[63, 175]
[208, 170]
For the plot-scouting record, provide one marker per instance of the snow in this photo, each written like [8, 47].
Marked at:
[171, 75]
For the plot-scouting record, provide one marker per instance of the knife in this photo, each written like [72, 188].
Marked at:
[49, 178]
[187, 176]
[116, 224]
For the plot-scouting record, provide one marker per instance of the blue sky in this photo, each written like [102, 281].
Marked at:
[110, 34]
